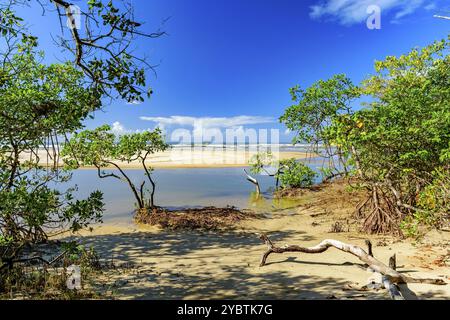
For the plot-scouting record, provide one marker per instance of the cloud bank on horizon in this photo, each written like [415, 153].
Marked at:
[209, 122]
[349, 12]
[198, 124]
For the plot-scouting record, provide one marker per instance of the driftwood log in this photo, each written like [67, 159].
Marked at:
[390, 277]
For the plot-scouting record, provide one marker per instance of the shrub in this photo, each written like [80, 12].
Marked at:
[295, 174]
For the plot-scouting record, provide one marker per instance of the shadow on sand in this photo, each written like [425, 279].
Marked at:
[195, 265]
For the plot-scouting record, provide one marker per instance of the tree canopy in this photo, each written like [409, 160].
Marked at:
[101, 47]
[397, 144]
[39, 104]
[102, 149]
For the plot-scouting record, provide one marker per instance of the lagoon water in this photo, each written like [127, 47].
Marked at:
[179, 188]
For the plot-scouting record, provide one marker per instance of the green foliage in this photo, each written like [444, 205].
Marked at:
[37, 105]
[316, 106]
[41, 104]
[259, 161]
[41, 99]
[101, 148]
[9, 22]
[314, 110]
[101, 49]
[26, 213]
[290, 172]
[397, 143]
[405, 132]
[435, 196]
[295, 174]
[434, 204]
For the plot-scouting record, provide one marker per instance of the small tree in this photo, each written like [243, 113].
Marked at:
[103, 149]
[289, 172]
[294, 174]
[313, 112]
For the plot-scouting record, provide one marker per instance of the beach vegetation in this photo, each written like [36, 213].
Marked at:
[396, 143]
[110, 153]
[294, 174]
[311, 115]
[38, 105]
[42, 104]
[288, 173]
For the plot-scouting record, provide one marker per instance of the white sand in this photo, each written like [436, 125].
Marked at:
[188, 158]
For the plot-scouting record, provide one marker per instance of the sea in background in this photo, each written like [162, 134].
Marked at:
[281, 147]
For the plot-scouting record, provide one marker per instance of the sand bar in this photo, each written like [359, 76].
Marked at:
[189, 158]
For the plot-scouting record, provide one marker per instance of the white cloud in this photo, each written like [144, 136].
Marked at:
[134, 102]
[431, 6]
[348, 12]
[412, 6]
[119, 129]
[199, 123]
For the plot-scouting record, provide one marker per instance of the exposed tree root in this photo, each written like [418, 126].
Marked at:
[390, 279]
[380, 213]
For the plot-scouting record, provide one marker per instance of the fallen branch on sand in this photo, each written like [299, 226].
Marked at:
[390, 277]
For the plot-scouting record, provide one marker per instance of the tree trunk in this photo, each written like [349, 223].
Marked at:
[149, 176]
[131, 185]
[254, 181]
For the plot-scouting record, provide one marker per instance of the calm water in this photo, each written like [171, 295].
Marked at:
[187, 187]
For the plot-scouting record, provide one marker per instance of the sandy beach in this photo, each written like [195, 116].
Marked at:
[225, 265]
[197, 157]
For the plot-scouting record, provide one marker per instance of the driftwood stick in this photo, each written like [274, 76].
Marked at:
[393, 262]
[9, 263]
[254, 181]
[46, 262]
[393, 289]
[369, 247]
[392, 275]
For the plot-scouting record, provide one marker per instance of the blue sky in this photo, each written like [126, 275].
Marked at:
[233, 58]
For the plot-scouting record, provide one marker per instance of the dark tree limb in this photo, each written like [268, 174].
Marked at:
[393, 262]
[369, 247]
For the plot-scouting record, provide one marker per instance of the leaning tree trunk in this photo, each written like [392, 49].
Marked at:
[139, 200]
[390, 279]
[254, 181]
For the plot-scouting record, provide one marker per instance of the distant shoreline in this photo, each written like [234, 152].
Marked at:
[180, 159]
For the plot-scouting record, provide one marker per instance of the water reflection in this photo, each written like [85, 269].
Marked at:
[267, 204]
